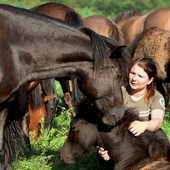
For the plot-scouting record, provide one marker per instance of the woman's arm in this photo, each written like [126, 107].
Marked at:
[138, 127]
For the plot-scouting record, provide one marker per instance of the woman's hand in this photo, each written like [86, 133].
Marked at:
[137, 127]
[104, 154]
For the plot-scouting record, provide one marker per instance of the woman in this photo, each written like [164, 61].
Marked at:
[140, 93]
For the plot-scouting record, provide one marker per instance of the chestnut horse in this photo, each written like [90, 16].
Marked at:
[150, 150]
[132, 23]
[36, 47]
[42, 105]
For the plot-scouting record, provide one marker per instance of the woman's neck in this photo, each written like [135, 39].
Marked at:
[137, 93]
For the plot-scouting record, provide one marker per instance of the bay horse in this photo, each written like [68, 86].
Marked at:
[132, 22]
[150, 150]
[52, 49]
[155, 43]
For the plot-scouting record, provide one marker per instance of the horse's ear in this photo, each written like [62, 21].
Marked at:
[117, 50]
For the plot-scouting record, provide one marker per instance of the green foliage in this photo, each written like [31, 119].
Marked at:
[166, 124]
[109, 8]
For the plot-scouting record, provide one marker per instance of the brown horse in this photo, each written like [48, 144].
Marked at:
[150, 150]
[132, 23]
[155, 43]
[45, 52]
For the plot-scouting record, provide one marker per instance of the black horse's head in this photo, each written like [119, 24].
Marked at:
[82, 138]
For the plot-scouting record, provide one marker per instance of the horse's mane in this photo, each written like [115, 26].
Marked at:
[101, 53]
[99, 45]
[35, 98]
[129, 116]
[155, 143]
[115, 32]
[126, 15]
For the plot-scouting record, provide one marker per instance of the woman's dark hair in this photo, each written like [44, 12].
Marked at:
[149, 66]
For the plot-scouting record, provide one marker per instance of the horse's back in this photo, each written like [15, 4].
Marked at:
[131, 27]
[97, 24]
[53, 9]
[103, 26]
[159, 18]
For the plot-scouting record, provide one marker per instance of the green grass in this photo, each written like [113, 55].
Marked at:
[44, 153]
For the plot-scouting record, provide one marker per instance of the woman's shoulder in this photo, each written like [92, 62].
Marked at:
[158, 94]
[125, 88]
[158, 97]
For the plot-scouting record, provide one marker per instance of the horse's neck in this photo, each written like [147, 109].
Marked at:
[48, 49]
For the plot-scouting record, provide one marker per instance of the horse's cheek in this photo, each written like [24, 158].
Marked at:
[98, 87]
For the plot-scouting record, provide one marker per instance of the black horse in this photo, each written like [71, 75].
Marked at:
[150, 150]
[35, 47]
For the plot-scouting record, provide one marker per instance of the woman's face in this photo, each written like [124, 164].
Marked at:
[138, 78]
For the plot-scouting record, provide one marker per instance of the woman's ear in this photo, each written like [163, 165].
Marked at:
[150, 81]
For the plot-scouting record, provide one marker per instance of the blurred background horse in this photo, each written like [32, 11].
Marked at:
[132, 22]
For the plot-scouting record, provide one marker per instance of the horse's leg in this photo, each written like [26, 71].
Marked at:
[50, 100]
[66, 86]
[3, 118]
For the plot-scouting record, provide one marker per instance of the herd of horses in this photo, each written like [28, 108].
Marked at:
[94, 54]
